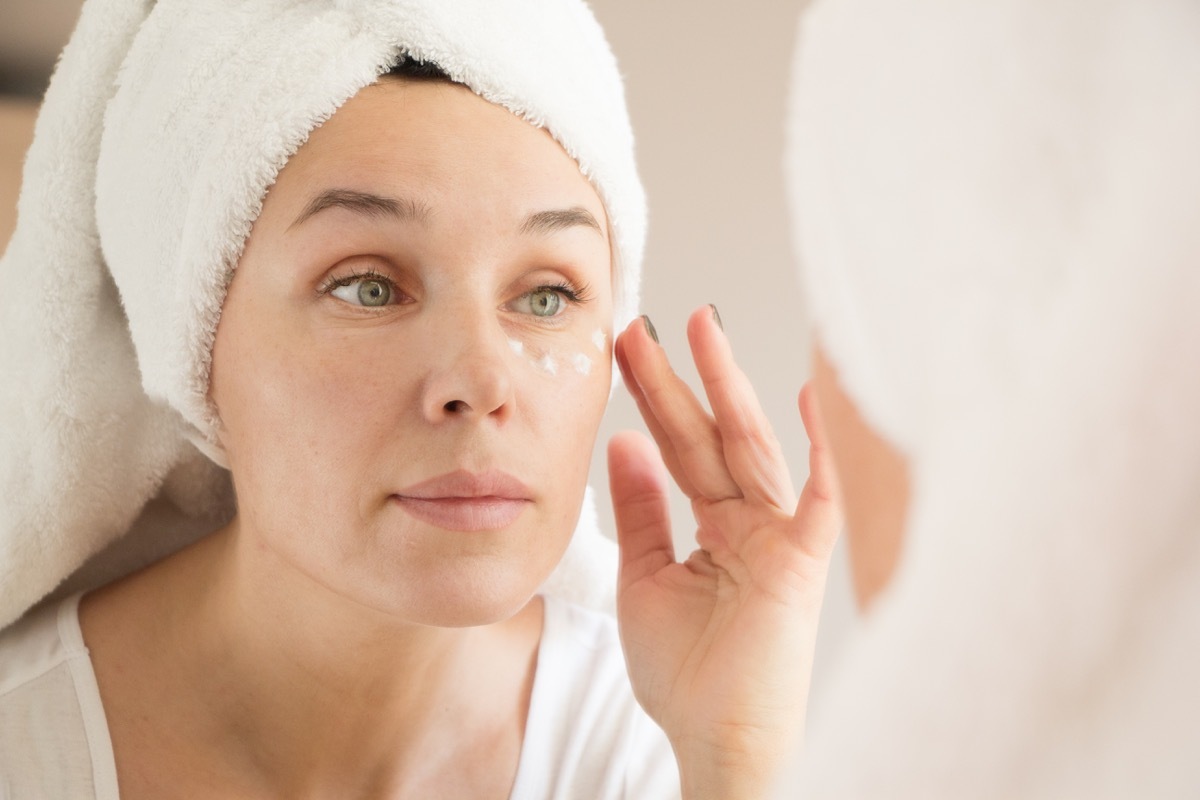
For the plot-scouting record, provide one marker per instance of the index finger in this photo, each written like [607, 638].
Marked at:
[686, 433]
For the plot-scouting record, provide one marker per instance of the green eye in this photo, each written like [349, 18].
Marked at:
[544, 302]
[368, 292]
[374, 293]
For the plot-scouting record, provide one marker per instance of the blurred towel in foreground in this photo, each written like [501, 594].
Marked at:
[996, 210]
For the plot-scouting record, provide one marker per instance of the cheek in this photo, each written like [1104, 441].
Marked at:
[570, 361]
[289, 404]
[564, 386]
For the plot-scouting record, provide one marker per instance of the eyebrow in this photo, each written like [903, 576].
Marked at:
[377, 206]
[546, 222]
[364, 203]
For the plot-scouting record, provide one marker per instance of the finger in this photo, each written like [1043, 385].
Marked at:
[638, 485]
[684, 431]
[752, 453]
[666, 449]
[819, 511]
[690, 432]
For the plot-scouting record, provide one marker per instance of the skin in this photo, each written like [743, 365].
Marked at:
[329, 639]
[875, 486]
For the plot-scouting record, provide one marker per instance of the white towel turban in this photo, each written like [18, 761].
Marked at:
[162, 129]
[998, 210]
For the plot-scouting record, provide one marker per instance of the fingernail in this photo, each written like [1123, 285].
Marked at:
[650, 328]
[717, 316]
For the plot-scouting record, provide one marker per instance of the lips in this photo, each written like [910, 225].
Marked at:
[467, 501]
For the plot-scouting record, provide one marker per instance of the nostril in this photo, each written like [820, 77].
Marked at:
[455, 406]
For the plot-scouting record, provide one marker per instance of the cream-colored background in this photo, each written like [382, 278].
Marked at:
[706, 83]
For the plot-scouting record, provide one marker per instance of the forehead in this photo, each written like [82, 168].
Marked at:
[440, 145]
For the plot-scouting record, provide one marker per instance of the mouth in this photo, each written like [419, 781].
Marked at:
[467, 501]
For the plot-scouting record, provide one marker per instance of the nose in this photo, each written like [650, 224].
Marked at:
[470, 373]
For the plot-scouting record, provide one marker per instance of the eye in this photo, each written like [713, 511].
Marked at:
[363, 290]
[548, 301]
[544, 302]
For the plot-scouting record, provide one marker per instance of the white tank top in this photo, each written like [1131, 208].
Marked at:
[586, 737]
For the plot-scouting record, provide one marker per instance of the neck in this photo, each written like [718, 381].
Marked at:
[306, 691]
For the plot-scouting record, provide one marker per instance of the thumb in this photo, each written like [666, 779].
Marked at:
[638, 484]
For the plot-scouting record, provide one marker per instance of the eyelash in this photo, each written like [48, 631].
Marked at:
[576, 295]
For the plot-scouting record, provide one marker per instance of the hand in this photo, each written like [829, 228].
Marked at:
[719, 647]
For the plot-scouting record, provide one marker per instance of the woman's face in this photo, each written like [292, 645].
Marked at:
[414, 355]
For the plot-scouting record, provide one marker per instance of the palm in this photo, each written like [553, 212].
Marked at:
[719, 646]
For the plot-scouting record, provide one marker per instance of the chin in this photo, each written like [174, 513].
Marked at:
[465, 597]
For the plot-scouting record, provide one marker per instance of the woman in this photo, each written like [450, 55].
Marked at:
[404, 375]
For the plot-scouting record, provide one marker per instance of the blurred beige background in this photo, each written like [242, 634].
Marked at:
[706, 83]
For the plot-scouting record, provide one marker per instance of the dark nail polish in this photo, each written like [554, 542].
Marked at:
[717, 316]
[650, 328]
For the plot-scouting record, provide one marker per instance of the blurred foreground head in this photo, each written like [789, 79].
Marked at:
[996, 213]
